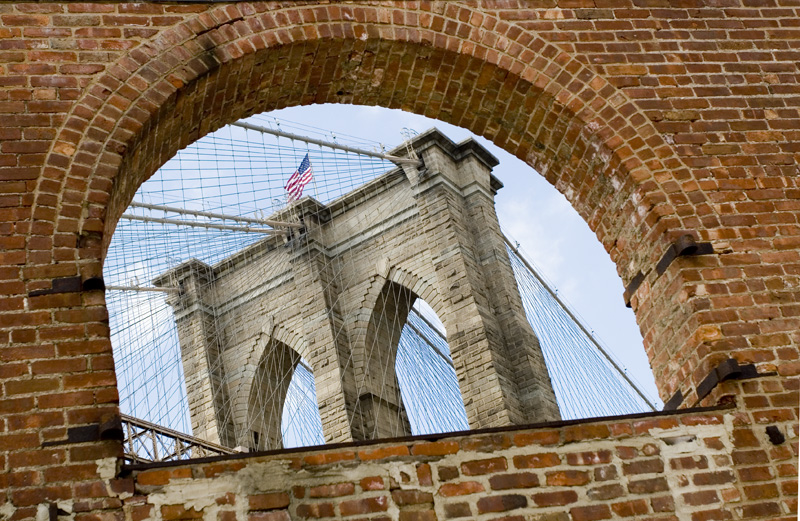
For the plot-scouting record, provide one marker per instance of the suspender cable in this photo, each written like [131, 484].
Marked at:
[602, 351]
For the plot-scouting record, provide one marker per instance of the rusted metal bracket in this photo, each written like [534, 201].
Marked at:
[70, 285]
[107, 430]
[684, 246]
[631, 288]
[726, 370]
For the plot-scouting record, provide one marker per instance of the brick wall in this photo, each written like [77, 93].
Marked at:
[656, 118]
[678, 466]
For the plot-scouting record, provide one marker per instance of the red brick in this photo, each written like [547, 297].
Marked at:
[411, 497]
[501, 503]
[460, 489]
[364, 506]
[606, 492]
[383, 453]
[589, 458]
[274, 515]
[755, 474]
[585, 432]
[416, 515]
[315, 510]
[634, 508]
[327, 458]
[567, 478]
[648, 486]
[510, 481]
[559, 498]
[486, 443]
[646, 466]
[448, 473]
[339, 489]
[162, 476]
[704, 497]
[424, 475]
[372, 483]
[663, 504]
[268, 501]
[456, 510]
[590, 513]
[534, 461]
[713, 478]
[524, 439]
[484, 466]
[439, 448]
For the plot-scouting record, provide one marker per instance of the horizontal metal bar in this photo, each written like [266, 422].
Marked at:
[245, 229]
[183, 211]
[142, 288]
[394, 159]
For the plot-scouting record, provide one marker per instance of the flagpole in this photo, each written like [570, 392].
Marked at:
[314, 180]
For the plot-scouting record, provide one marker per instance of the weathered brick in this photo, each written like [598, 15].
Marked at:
[484, 466]
[590, 513]
[411, 497]
[456, 510]
[532, 461]
[171, 512]
[268, 501]
[518, 480]
[501, 503]
[339, 489]
[364, 506]
[606, 492]
[589, 458]
[439, 448]
[315, 510]
[460, 489]
[648, 486]
[646, 466]
[559, 498]
[567, 478]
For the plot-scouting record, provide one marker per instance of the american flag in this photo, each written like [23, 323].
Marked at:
[299, 180]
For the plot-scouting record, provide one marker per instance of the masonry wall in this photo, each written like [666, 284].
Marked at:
[655, 118]
[678, 466]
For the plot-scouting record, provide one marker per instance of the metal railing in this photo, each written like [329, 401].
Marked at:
[147, 442]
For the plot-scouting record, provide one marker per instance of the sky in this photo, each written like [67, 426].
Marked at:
[532, 212]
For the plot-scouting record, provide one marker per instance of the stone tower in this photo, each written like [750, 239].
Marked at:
[337, 293]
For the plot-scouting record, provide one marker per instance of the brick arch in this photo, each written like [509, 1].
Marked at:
[550, 110]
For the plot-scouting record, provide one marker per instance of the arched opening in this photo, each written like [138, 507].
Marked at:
[566, 128]
[238, 268]
[380, 412]
[407, 383]
[427, 376]
[279, 402]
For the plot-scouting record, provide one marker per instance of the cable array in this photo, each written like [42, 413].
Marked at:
[240, 174]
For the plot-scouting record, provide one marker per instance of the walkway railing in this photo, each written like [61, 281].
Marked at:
[147, 442]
